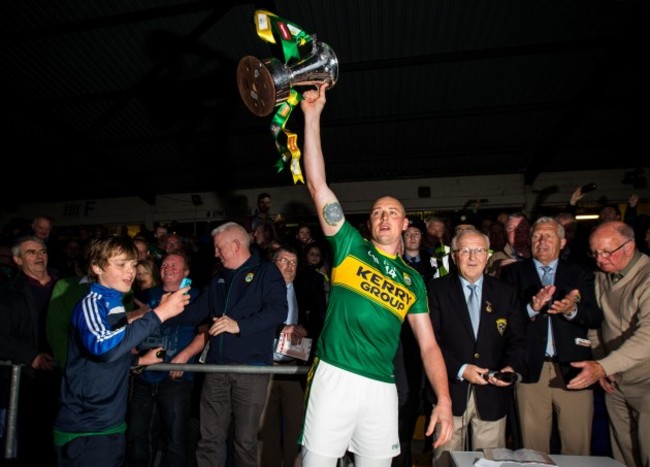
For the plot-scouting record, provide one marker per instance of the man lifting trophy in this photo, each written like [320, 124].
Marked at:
[270, 83]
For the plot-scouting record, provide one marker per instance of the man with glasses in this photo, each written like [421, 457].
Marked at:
[414, 254]
[559, 307]
[480, 329]
[281, 420]
[621, 346]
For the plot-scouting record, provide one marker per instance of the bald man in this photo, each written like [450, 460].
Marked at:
[352, 400]
[622, 364]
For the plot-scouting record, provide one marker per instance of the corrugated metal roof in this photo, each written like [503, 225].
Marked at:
[145, 91]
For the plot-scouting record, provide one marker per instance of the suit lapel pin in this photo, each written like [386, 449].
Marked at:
[502, 324]
[488, 307]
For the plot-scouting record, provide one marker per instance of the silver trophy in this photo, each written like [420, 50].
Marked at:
[263, 84]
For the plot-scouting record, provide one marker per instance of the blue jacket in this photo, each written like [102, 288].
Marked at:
[255, 295]
[95, 385]
[171, 336]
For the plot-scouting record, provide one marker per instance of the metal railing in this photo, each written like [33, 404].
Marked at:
[12, 409]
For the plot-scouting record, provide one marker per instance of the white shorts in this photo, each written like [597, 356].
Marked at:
[348, 412]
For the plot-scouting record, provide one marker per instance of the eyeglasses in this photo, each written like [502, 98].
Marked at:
[467, 251]
[606, 254]
[413, 234]
[287, 262]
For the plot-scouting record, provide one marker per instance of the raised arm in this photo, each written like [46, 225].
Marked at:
[327, 206]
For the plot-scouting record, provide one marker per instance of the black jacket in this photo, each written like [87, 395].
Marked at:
[524, 277]
[255, 296]
[500, 340]
[22, 325]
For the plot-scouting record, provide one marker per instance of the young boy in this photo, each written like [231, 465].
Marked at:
[90, 427]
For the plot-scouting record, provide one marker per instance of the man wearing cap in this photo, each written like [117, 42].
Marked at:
[466, 220]
[416, 256]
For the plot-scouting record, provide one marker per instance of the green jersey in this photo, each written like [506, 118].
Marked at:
[371, 294]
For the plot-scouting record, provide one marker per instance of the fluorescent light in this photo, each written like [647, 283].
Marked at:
[586, 217]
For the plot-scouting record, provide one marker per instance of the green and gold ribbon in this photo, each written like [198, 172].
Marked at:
[286, 141]
[273, 29]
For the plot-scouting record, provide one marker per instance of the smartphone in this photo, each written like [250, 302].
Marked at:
[185, 282]
[505, 376]
[588, 187]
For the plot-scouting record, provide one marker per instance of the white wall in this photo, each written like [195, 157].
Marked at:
[502, 191]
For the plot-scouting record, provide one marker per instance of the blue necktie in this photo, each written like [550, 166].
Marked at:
[292, 315]
[547, 279]
[474, 307]
[547, 276]
[292, 318]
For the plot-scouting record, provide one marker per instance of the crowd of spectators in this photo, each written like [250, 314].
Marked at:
[427, 247]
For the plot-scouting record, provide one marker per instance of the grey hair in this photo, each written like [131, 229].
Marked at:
[559, 228]
[15, 249]
[238, 231]
[462, 233]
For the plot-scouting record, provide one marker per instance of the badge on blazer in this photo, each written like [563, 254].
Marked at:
[249, 277]
[577, 298]
[488, 307]
[502, 324]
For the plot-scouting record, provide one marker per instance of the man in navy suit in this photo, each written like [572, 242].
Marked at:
[281, 419]
[559, 307]
[476, 344]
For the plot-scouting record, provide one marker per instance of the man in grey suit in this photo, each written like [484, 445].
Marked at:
[559, 307]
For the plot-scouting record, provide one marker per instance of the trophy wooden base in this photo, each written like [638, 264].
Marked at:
[256, 86]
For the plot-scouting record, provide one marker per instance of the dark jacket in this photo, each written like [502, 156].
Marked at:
[23, 310]
[254, 295]
[524, 277]
[427, 266]
[22, 325]
[310, 295]
[500, 340]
